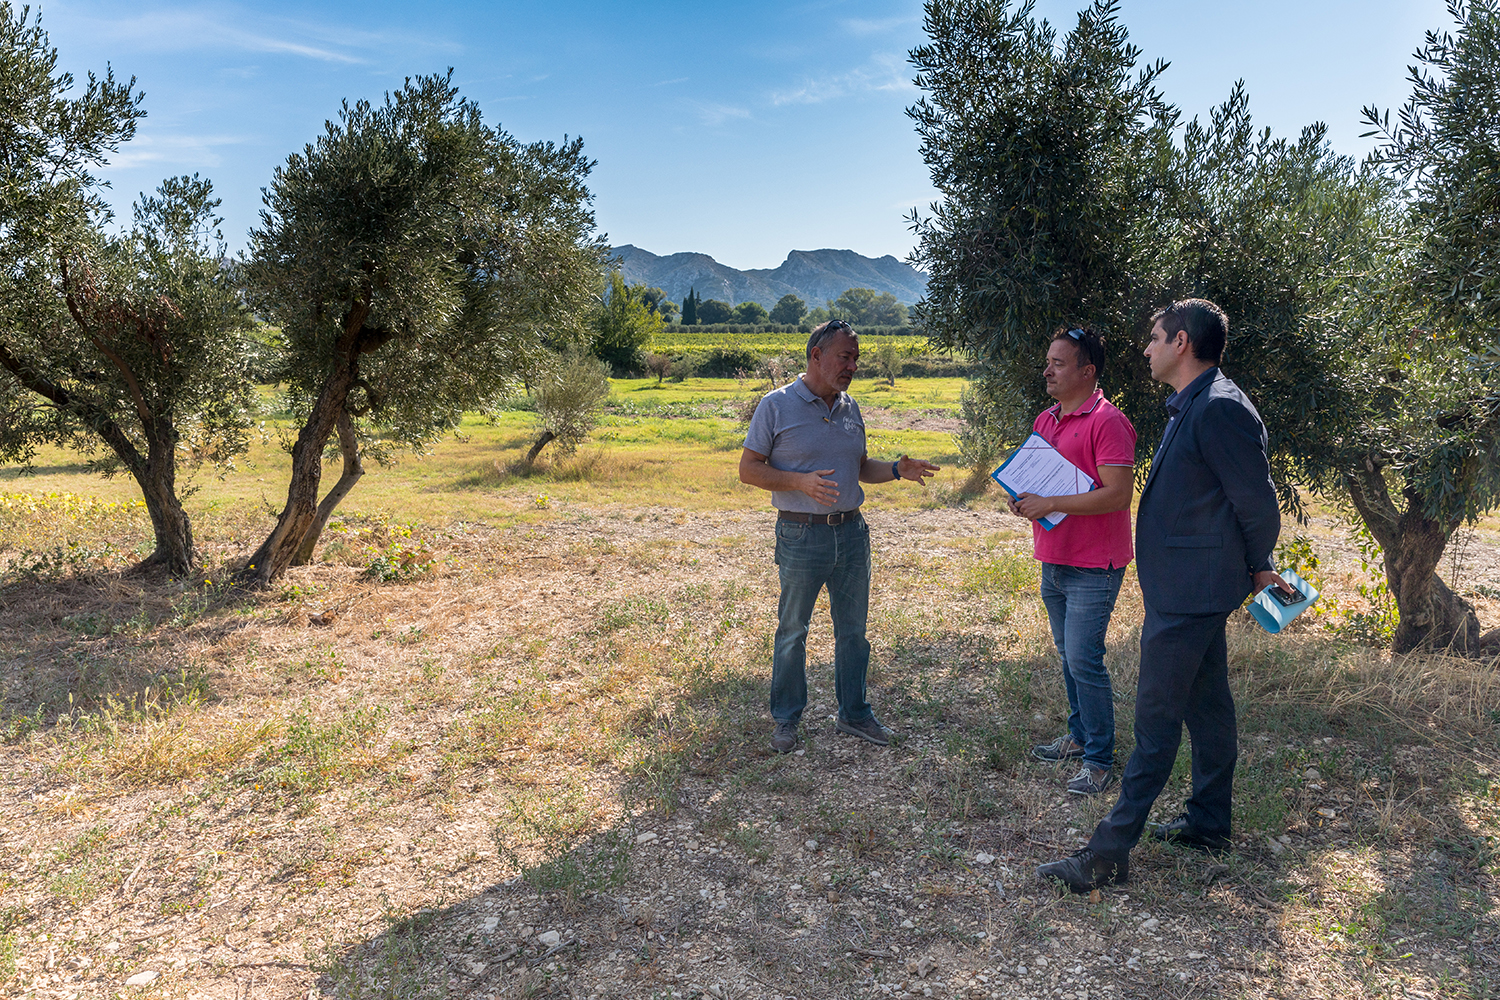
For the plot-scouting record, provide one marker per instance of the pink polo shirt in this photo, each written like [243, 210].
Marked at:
[1096, 434]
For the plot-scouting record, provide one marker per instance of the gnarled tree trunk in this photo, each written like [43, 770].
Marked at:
[280, 548]
[536, 448]
[155, 472]
[301, 513]
[157, 477]
[353, 470]
[1433, 617]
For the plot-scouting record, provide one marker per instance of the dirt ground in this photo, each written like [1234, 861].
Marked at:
[539, 768]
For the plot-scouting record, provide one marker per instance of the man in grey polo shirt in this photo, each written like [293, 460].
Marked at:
[806, 444]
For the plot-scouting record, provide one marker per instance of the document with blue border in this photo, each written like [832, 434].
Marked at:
[1038, 468]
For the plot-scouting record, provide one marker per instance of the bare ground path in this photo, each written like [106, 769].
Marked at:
[540, 769]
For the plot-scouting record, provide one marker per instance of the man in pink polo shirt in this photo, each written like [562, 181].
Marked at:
[1084, 557]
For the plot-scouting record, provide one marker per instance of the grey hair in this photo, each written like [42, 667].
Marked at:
[824, 333]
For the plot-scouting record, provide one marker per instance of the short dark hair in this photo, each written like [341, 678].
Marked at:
[825, 332]
[1090, 345]
[1205, 324]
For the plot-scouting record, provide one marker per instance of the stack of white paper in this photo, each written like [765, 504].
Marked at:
[1038, 468]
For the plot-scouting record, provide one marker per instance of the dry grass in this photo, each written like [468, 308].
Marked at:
[339, 785]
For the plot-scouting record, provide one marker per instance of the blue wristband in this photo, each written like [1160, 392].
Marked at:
[896, 469]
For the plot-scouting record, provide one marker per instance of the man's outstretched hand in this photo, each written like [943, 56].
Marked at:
[916, 469]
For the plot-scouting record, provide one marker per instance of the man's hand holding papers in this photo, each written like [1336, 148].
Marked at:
[1035, 475]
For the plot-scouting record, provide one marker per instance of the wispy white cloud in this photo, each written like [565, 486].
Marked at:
[716, 114]
[883, 72]
[877, 26]
[675, 79]
[231, 27]
[199, 151]
[189, 29]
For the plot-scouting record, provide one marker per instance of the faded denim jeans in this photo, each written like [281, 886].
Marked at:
[1079, 601]
[812, 556]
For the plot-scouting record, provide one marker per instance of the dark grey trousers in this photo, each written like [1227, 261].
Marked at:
[1184, 679]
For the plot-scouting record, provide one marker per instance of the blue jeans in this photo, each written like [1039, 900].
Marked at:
[1079, 601]
[812, 556]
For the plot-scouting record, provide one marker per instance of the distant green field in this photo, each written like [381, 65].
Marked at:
[645, 397]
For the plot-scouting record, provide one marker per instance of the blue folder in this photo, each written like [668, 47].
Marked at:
[1274, 616]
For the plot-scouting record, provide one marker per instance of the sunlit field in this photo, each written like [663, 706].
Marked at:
[506, 736]
[675, 444]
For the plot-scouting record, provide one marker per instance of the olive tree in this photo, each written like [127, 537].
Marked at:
[568, 403]
[418, 262]
[129, 346]
[1436, 462]
[1065, 201]
[1050, 158]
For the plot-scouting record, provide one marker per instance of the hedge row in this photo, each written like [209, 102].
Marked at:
[874, 331]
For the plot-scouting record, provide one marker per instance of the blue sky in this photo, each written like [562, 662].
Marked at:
[742, 130]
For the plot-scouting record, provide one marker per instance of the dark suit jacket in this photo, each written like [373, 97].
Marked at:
[1208, 516]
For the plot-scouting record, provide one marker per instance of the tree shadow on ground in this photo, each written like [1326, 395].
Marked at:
[831, 872]
[100, 642]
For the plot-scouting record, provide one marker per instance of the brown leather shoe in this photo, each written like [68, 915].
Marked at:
[1062, 748]
[1091, 780]
[870, 729]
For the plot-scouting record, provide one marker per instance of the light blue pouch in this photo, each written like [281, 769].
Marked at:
[1274, 616]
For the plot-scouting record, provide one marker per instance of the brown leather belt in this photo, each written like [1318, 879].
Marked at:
[837, 518]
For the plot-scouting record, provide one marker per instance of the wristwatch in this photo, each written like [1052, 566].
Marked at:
[896, 469]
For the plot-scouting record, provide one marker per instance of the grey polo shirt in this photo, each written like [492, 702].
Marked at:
[797, 432]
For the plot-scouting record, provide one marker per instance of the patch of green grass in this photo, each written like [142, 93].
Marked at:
[7, 957]
[790, 779]
[1005, 746]
[494, 726]
[600, 863]
[1009, 573]
[314, 753]
[324, 666]
[1265, 784]
[644, 611]
[397, 965]
[748, 838]
[656, 776]
[84, 864]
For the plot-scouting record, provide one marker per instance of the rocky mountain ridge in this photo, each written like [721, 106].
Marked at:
[814, 275]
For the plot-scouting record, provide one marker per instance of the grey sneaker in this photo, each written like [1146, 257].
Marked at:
[1062, 748]
[1091, 780]
[870, 729]
[784, 739]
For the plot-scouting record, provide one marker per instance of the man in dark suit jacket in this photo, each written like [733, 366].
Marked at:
[1206, 525]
